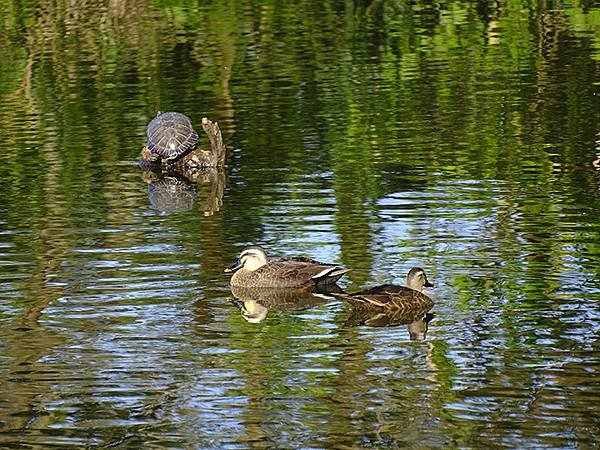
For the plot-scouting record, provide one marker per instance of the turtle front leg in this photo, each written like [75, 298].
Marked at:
[148, 159]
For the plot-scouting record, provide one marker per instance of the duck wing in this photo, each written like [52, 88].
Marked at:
[376, 296]
[389, 297]
[409, 300]
[299, 271]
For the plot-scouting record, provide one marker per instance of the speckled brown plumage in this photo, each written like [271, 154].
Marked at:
[386, 305]
[253, 269]
[388, 297]
[389, 304]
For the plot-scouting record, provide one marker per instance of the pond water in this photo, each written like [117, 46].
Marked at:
[460, 137]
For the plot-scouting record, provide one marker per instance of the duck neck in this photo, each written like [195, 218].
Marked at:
[414, 284]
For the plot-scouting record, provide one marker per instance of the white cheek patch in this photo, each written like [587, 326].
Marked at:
[252, 263]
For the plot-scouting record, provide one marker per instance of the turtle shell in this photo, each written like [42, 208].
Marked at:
[170, 134]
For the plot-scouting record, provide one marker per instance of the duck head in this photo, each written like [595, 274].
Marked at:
[251, 259]
[417, 279]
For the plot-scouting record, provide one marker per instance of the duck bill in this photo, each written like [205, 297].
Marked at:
[235, 266]
[237, 303]
[428, 284]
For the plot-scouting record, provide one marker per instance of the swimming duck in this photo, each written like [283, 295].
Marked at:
[394, 301]
[254, 270]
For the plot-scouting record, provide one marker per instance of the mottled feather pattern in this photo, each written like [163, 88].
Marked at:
[253, 269]
[388, 298]
[291, 272]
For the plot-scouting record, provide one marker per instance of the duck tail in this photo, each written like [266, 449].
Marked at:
[330, 275]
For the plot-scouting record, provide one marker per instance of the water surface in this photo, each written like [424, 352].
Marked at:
[459, 137]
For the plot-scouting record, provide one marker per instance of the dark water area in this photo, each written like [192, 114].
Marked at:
[462, 137]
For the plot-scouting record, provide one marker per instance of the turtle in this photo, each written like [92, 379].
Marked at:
[170, 135]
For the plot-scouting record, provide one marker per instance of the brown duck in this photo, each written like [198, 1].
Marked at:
[254, 270]
[390, 304]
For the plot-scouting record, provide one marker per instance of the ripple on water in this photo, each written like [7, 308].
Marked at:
[462, 144]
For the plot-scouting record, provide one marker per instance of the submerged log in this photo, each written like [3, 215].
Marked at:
[215, 137]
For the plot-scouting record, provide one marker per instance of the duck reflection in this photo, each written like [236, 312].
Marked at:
[417, 321]
[173, 193]
[417, 330]
[255, 303]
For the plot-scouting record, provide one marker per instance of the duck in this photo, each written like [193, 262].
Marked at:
[253, 269]
[390, 304]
